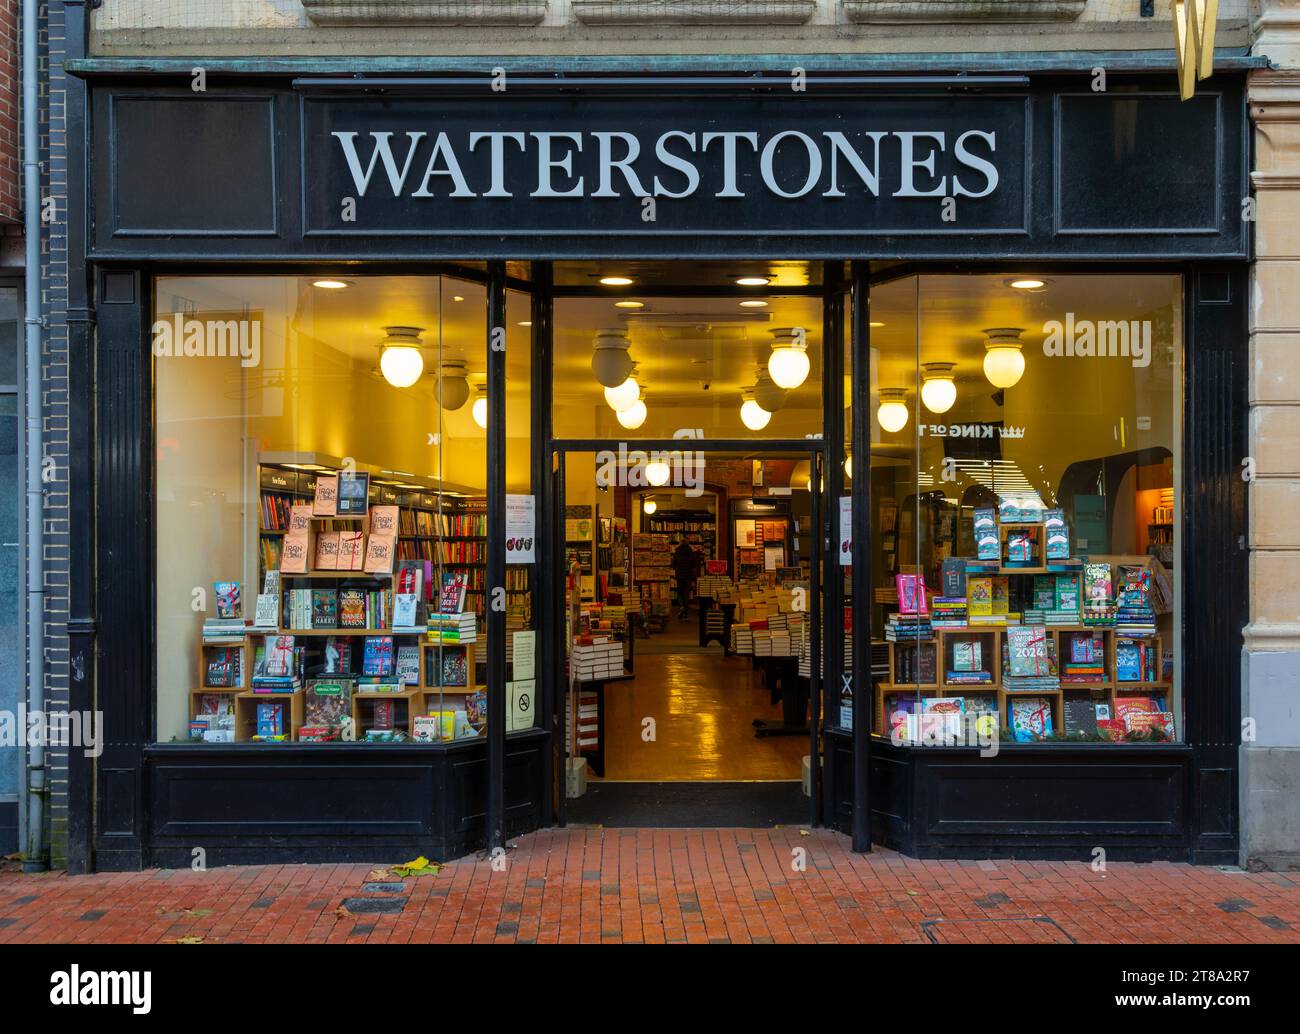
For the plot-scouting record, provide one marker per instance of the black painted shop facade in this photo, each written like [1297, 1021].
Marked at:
[249, 175]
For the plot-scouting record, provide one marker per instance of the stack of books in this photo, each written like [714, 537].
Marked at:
[908, 628]
[223, 630]
[601, 658]
[1086, 662]
[948, 612]
[452, 628]
[742, 638]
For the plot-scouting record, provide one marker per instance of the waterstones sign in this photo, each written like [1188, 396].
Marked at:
[848, 166]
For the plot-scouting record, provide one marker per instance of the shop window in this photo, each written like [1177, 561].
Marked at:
[321, 519]
[1025, 465]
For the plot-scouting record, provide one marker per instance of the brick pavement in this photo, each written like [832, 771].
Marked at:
[612, 886]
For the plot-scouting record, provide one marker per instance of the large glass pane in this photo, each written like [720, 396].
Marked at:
[321, 513]
[1042, 552]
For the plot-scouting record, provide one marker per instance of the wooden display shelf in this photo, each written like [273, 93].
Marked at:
[246, 712]
[341, 631]
[1133, 687]
[337, 574]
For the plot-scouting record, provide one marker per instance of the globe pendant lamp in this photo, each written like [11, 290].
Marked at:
[479, 411]
[788, 364]
[752, 414]
[657, 473]
[892, 412]
[648, 505]
[1004, 360]
[938, 391]
[634, 416]
[767, 394]
[453, 385]
[400, 359]
[610, 361]
[623, 396]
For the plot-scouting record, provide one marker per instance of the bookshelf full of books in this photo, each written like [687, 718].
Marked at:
[1028, 643]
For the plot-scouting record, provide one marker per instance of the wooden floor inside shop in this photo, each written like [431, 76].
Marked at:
[704, 705]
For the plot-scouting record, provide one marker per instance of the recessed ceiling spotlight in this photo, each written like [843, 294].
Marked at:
[525, 323]
[629, 305]
[754, 303]
[331, 285]
[753, 281]
[1027, 283]
[875, 323]
[616, 281]
[457, 297]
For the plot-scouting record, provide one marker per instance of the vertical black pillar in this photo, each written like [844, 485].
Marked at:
[496, 567]
[829, 489]
[80, 319]
[816, 621]
[862, 688]
[541, 311]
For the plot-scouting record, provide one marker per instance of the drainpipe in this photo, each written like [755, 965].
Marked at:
[37, 849]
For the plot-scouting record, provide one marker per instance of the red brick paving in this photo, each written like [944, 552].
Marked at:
[618, 886]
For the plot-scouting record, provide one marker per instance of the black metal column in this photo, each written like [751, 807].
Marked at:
[828, 491]
[496, 557]
[541, 314]
[81, 470]
[862, 704]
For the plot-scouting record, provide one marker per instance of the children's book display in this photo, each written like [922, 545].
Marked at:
[1043, 644]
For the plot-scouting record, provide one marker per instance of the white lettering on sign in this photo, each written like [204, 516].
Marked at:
[789, 163]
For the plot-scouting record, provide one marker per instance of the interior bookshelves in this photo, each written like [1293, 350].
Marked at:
[750, 548]
[580, 546]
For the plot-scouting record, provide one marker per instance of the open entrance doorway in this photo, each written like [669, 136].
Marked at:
[691, 620]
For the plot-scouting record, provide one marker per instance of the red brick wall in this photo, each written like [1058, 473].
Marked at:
[10, 170]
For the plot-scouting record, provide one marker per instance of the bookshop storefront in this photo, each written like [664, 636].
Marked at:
[341, 336]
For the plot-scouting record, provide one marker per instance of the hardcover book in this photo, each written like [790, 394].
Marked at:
[268, 610]
[1027, 649]
[327, 702]
[352, 550]
[227, 597]
[324, 608]
[1030, 718]
[966, 656]
[1058, 535]
[327, 550]
[223, 668]
[1001, 594]
[452, 598]
[979, 596]
[1067, 593]
[1080, 715]
[377, 659]
[408, 665]
[1096, 585]
[455, 671]
[352, 608]
[325, 503]
[911, 594]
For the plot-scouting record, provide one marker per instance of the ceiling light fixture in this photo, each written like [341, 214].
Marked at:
[892, 412]
[788, 364]
[1004, 360]
[616, 281]
[400, 359]
[753, 281]
[634, 416]
[848, 466]
[331, 285]
[479, 411]
[610, 361]
[657, 472]
[1027, 283]
[938, 391]
[648, 505]
[629, 304]
[767, 393]
[753, 415]
[753, 303]
[453, 384]
[623, 395]
[525, 323]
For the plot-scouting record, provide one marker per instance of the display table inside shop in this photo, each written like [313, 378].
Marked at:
[715, 622]
[782, 679]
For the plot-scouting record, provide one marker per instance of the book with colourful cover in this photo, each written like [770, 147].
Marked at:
[377, 658]
[408, 665]
[1128, 661]
[352, 608]
[1027, 650]
[1030, 718]
[452, 598]
[1080, 715]
[324, 608]
[327, 550]
[1058, 535]
[223, 667]
[454, 668]
[1097, 590]
[325, 503]
[1067, 593]
[1044, 592]
[911, 594]
[979, 596]
[966, 655]
[327, 702]
[278, 656]
[1001, 594]
[986, 534]
[228, 602]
